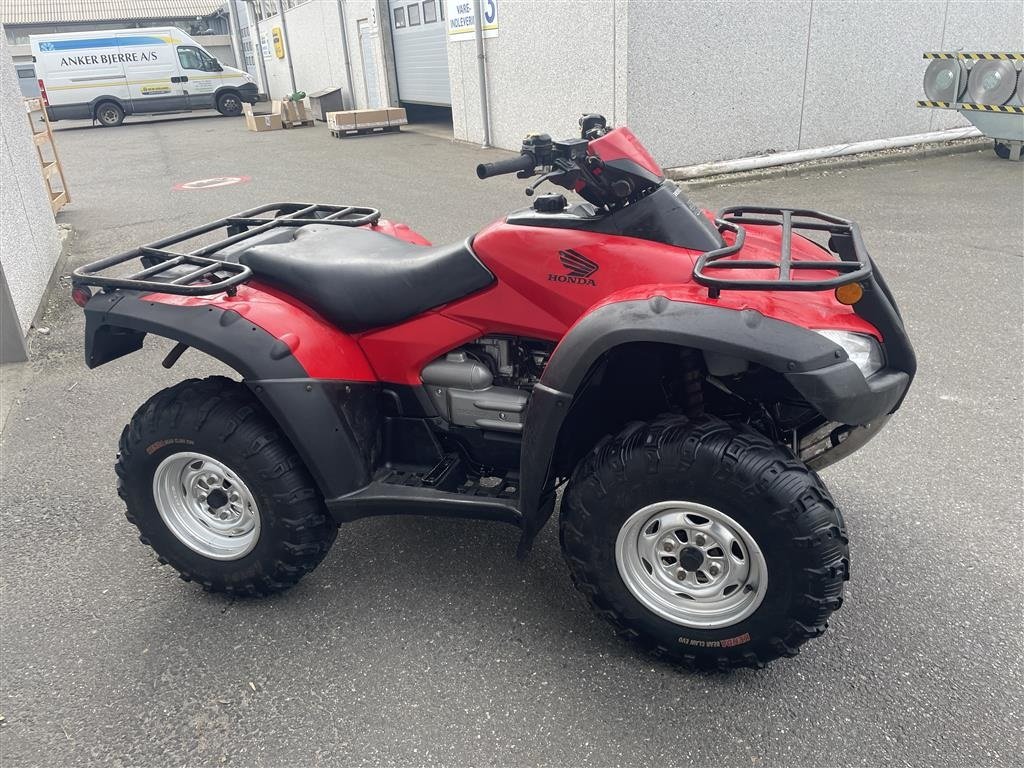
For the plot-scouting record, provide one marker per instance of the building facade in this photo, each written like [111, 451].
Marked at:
[696, 80]
[29, 242]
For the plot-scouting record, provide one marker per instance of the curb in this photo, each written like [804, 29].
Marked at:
[65, 233]
[864, 160]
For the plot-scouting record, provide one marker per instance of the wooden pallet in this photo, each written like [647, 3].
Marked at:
[49, 163]
[339, 134]
[296, 123]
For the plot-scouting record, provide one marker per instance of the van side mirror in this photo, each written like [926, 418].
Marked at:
[215, 66]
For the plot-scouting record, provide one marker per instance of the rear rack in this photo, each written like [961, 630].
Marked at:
[197, 272]
[853, 264]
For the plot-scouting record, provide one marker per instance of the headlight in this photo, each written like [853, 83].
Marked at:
[862, 350]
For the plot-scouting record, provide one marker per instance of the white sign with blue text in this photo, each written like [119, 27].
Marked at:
[462, 19]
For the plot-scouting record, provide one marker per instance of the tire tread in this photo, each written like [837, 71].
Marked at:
[225, 408]
[679, 444]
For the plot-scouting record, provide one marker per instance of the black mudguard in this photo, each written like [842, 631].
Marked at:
[817, 368]
[331, 423]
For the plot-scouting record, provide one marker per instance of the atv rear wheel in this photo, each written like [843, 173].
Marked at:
[218, 492]
[704, 542]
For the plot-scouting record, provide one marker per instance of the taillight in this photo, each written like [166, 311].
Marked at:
[81, 294]
[42, 92]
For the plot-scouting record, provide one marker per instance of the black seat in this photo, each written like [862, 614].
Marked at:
[360, 279]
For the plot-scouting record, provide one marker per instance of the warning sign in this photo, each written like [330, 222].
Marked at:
[216, 181]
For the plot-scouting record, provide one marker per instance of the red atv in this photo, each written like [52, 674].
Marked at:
[682, 375]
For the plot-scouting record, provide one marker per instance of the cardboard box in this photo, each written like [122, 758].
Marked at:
[259, 123]
[372, 118]
[294, 112]
[396, 116]
[341, 121]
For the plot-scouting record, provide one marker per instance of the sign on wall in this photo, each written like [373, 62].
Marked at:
[461, 21]
[278, 42]
[264, 45]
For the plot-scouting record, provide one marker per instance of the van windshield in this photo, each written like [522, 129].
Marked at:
[191, 57]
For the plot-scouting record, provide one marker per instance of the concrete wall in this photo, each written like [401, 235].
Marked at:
[314, 34]
[715, 80]
[707, 80]
[550, 62]
[29, 244]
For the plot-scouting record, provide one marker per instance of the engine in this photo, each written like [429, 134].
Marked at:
[486, 384]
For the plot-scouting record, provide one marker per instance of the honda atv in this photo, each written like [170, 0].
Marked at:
[680, 375]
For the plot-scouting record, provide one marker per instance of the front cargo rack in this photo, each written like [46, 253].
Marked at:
[852, 265]
[197, 272]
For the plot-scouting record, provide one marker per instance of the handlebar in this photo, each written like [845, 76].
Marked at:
[524, 163]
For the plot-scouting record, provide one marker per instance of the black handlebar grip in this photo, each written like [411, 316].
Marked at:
[524, 162]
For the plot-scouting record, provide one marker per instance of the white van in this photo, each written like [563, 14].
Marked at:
[108, 74]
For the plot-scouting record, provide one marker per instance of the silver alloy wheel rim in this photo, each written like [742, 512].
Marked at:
[206, 506]
[691, 564]
[109, 115]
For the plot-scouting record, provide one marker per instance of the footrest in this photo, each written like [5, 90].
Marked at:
[441, 471]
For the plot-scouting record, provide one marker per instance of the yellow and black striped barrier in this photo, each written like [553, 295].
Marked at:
[993, 56]
[1010, 110]
[975, 108]
[993, 108]
[977, 56]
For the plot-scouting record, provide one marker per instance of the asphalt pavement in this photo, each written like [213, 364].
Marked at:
[424, 642]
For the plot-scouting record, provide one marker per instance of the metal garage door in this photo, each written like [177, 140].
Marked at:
[421, 51]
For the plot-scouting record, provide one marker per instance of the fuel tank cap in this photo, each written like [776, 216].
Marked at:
[550, 203]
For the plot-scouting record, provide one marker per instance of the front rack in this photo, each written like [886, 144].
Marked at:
[852, 265]
[196, 272]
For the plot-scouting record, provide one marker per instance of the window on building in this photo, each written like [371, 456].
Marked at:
[429, 11]
[265, 9]
[399, 18]
[414, 15]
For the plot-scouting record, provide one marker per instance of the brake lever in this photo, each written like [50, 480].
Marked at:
[562, 168]
[549, 176]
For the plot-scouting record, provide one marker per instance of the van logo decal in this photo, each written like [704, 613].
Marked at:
[579, 269]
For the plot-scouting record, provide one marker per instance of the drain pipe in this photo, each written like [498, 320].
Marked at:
[344, 53]
[256, 43]
[236, 35]
[817, 153]
[287, 44]
[482, 70]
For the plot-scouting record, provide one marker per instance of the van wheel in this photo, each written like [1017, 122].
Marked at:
[109, 114]
[229, 104]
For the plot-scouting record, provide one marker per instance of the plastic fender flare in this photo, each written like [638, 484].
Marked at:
[746, 334]
[312, 412]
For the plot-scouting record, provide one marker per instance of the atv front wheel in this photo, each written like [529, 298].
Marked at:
[218, 492]
[704, 542]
